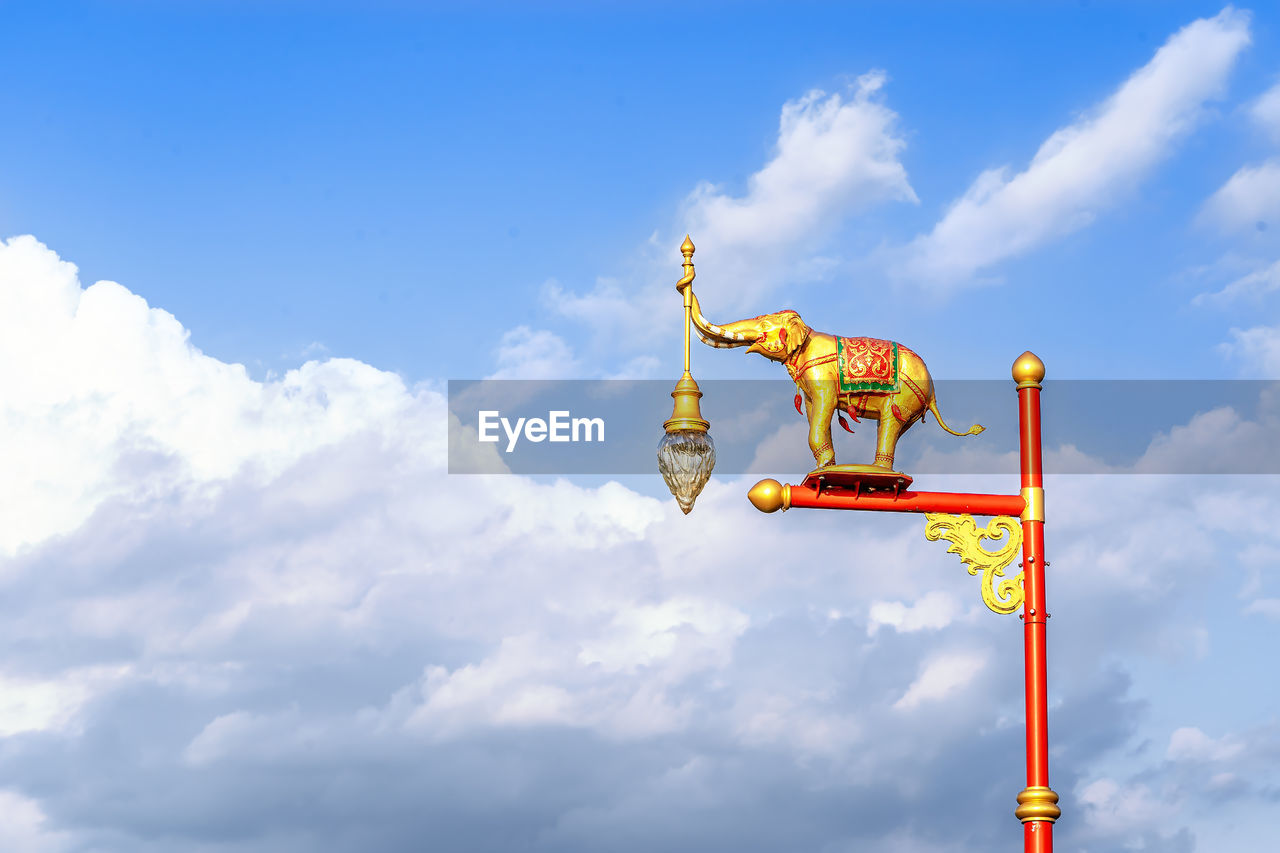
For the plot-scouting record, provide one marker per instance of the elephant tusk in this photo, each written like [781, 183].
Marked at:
[718, 344]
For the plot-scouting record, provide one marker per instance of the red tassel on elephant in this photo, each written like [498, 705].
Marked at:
[898, 414]
[798, 409]
[843, 423]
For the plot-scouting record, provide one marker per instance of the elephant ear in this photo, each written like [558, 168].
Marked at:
[794, 332]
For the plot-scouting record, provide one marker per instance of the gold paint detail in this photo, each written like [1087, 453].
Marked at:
[1034, 498]
[965, 537]
[686, 414]
[770, 496]
[1037, 802]
[856, 468]
[1028, 370]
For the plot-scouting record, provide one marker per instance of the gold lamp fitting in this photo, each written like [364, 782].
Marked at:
[686, 414]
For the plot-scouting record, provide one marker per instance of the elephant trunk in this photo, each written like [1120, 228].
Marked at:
[721, 336]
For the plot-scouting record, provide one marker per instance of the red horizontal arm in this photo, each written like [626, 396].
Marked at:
[953, 502]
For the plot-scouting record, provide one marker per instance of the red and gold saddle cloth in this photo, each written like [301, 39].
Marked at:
[867, 364]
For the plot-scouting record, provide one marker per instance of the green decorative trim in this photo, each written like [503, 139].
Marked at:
[867, 385]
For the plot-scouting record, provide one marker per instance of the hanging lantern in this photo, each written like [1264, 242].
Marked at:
[686, 453]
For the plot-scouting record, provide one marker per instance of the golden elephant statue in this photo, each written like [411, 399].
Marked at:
[865, 377]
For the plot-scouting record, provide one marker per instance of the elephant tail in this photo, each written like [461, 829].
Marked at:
[933, 407]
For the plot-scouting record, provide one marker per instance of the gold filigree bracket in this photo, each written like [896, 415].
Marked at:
[965, 537]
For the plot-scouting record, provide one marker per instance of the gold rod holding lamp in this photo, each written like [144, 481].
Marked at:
[686, 453]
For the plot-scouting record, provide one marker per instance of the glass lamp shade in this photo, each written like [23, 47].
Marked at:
[685, 458]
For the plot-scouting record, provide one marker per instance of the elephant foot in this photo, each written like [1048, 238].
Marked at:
[824, 456]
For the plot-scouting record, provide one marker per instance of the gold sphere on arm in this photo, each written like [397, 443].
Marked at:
[770, 496]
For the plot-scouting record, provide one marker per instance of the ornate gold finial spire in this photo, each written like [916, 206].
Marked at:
[1028, 370]
[686, 414]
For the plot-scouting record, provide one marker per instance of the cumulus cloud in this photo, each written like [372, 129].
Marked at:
[1257, 349]
[941, 677]
[933, 611]
[99, 392]
[295, 632]
[1133, 812]
[835, 154]
[1265, 111]
[1191, 744]
[1211, 442]
[1084, 167]
[25, 826]
[525, 353]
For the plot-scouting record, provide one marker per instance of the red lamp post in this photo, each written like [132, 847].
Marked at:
[951, 517]
[887, 382]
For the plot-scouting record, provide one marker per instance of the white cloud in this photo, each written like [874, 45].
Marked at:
[1248, 204]
[1257, 349]
[101, 393]
[526, 353]
[34, 705]
[1269, 607]
[1266, 111]
[1216, 441]
[1124, 811]
[834, 154]
[1250, 198]
[284, 636]
[786, 449]
[640, 367]
[801, 722]
[24, 826]
[1191, 744]
[934, 610]
[941, 677]
[508, 688]
[697, 633]
[616, 679]
[1251, 285]
[1084, 167]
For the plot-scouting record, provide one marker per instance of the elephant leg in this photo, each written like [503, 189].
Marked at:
[822, 406]
[887, 438]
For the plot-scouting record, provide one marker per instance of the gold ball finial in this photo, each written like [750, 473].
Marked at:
[686, 248]
[770, 496]
[1028, 370]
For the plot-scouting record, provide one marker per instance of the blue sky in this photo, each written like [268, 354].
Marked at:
[245, 244]
[342, 172]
